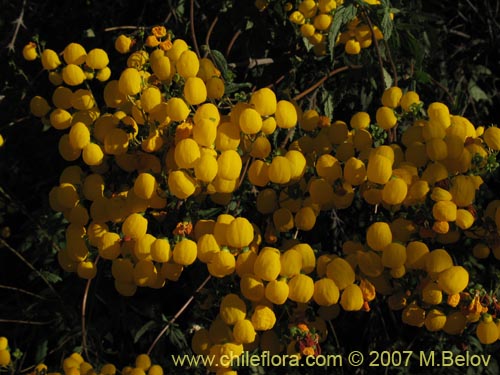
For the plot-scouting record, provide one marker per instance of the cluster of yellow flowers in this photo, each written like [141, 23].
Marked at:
[167, 133]
[315, 19]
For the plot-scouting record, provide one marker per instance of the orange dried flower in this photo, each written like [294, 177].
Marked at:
[453, 300]
[308, 351]
[159, 31]
[475, 306]
[270, 234]
[183, 228]
[323, 122]
[165, 45]
[303, 327]
[152, 41]
[368, 290]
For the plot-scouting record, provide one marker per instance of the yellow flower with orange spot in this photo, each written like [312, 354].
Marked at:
[165, 45]
[159, 31]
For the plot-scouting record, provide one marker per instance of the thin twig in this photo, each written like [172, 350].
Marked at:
[169, 15]
[18, 22]
[29, 217]
[25, 261]
[322, 80]
[252, 63]
[181, 310]
[29, 322]
[114, 28]
[391, 61]
[377, 48]
[281, 78]
[438, 84]
[84, 309]
[459, 33]
[193, 33]
[209, 34]
[289, 135]
[22, 291]
[244, 172]
[232, 41]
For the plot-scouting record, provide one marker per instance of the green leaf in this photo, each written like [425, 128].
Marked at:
[17, 354]
[210, 212]
[89, 33]
[477, 92]
[41, 351]
[387, 25]
[422, 77]
[233, 87]
[177, 338]
[328, 103]
[221, 63]
[146, 327]
[51, 277]
[387, 79]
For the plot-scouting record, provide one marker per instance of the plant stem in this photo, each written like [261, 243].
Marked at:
[22, 291]
[29, 322]
[232, 41]
[18, 22]
[126, 27]
[191, 25]
[30, 266]
[84, 309]
[179, 313]
[377, 48]
[244, 172]
[209, 34]
[322, 80]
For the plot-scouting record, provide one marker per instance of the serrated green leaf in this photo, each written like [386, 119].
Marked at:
[177, 338]
[51, 277]
[41, 351]
[210, 212]
[221, 63]
[89, 33]
[422, 77]
[387, 25]
[476, 92]
[146, 327]
[233, 87]
[387, 79]
[328, 104]
[249, 24]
